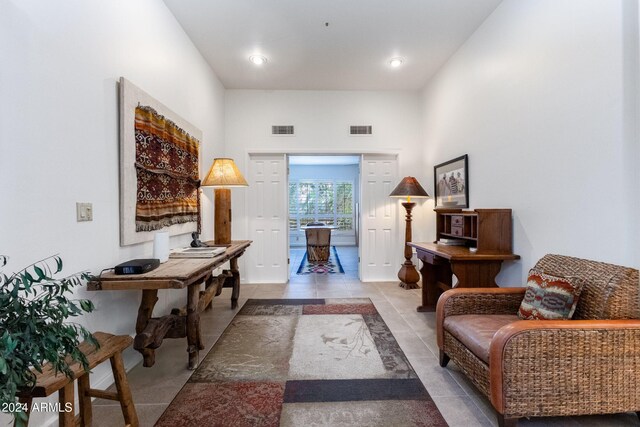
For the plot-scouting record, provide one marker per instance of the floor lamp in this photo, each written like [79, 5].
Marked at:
[409, 187]
[223, 175]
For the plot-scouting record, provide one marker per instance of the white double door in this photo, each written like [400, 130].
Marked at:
[267, 210]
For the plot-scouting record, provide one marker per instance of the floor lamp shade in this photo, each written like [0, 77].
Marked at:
[223, 175]
[409, 187]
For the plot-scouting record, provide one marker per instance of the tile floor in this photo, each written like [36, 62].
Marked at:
[459, 401]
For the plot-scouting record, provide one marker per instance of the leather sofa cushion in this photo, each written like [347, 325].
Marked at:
[476, 331]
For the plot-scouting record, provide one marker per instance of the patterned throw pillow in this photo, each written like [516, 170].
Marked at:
[549, 297]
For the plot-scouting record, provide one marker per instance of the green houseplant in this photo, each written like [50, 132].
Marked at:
[34, 308]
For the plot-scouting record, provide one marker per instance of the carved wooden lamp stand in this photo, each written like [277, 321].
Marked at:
[409, 187]
[223, 174]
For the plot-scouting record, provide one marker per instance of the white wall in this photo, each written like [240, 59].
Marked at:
[59, 132]
[322, 120]
[631, 120]
[538, 99]
[348, 173]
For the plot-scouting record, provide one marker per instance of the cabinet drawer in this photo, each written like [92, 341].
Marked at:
[456, 231]
[430, 258]
[426, 257]
[457, 220]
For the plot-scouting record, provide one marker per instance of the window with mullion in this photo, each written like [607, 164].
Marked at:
[306, 198]
[327, 201]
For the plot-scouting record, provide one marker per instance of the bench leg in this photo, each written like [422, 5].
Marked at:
[67, 417]
[124, 393]
[84, 400]
[23, 422]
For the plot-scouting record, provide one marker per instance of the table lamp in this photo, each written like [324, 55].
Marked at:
[223, 175]
[409, 187]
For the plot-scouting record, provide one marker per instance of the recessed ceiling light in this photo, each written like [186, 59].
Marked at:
[258, 59]
[396, 62]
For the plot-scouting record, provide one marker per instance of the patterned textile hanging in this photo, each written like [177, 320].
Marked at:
[167, 173]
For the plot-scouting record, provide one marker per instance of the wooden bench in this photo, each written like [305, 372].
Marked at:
[47, 383]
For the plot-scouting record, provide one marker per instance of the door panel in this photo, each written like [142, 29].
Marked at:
[379, 253]
[267, 256]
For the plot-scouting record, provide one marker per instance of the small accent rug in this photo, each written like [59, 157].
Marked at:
[304, 362]
[331, 266]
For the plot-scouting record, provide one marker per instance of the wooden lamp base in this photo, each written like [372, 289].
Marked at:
[222, 217]
[408, 274]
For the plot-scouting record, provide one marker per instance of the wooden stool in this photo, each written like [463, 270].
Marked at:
[48, 382]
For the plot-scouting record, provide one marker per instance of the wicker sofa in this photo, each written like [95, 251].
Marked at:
[536, 368]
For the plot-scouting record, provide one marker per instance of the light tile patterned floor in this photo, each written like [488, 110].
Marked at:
[459, 401]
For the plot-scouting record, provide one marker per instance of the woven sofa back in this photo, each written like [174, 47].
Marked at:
[610, 292]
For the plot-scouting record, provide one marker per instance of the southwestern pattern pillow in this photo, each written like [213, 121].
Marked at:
[549, 297]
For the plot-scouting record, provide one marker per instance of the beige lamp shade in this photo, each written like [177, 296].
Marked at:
[224, 173]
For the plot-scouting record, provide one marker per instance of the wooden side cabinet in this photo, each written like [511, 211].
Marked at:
[487, 230]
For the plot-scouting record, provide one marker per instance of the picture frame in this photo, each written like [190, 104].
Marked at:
[451, 183]
[131, 97]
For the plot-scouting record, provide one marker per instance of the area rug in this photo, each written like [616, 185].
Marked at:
[331, 266]
[304, 362]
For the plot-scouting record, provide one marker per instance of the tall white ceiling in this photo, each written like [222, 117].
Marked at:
[351, 53]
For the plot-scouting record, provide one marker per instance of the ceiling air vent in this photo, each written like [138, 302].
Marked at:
[361, 130]
[282, 130]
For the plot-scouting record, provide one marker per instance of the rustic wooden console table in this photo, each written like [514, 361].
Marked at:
[181, 273]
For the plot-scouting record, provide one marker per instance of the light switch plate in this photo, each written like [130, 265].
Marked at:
[84, 212]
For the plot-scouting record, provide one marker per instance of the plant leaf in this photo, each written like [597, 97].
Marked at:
[39, 272]
[87, 305]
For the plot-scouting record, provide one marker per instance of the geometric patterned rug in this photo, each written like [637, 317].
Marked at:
[331, 266]
[304, 362]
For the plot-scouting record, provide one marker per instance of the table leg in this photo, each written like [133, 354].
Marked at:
[430, 289]
[436, 277]
[148, 302]
[235, 293]
[193, 325]
[198, 311]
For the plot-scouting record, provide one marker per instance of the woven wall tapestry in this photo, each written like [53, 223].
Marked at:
[159, 168]
[167, 172]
